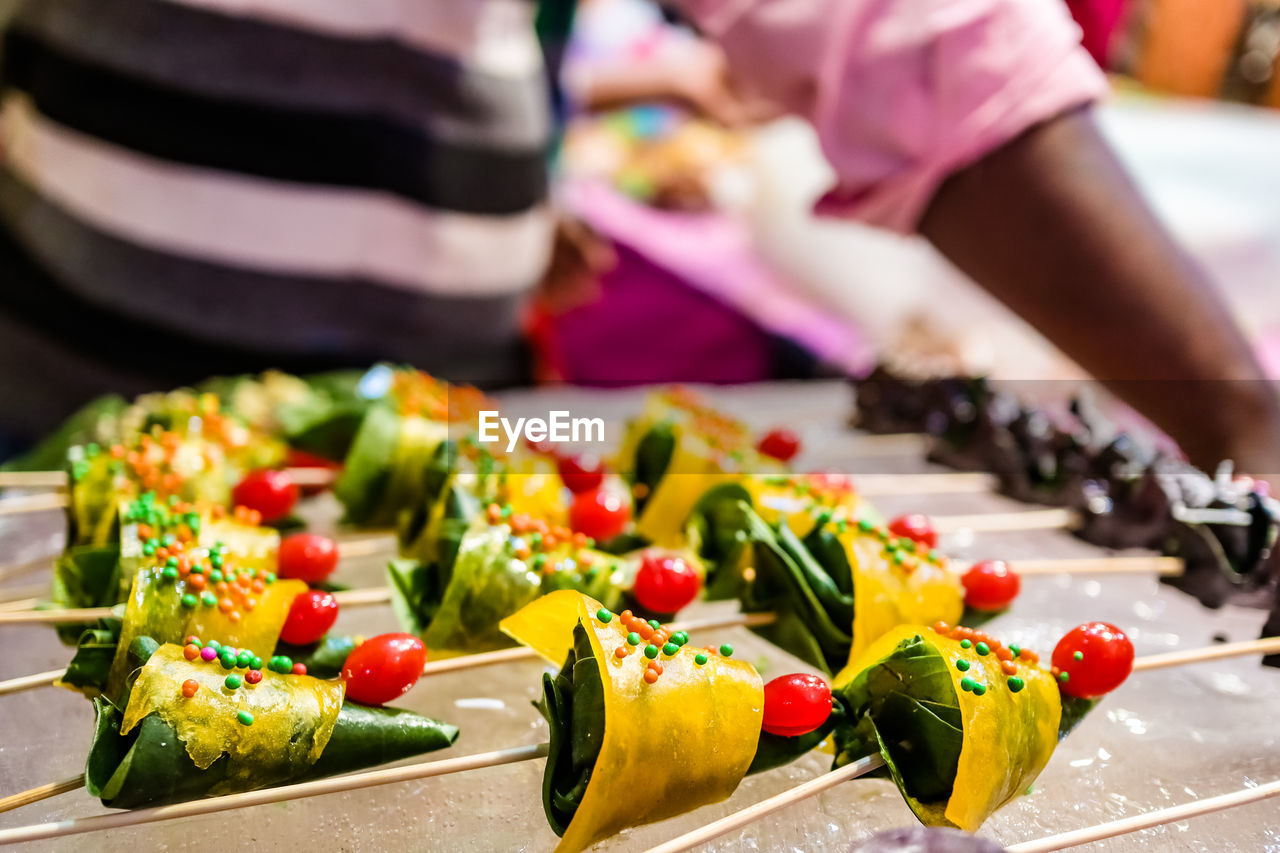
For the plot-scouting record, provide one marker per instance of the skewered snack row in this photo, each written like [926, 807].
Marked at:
[1224, 527]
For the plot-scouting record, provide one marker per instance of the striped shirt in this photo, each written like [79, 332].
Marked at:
[191, 187]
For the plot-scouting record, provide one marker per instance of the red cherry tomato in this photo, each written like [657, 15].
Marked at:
[311, 616]
[582, 473]
[781, 444]
[307, 557]
[665, 583]
[599, 514]
[271, 493]
[1096, 658]
[383, 668]
[990, 585]
[796, 704]
[915, 526]
[303, 459]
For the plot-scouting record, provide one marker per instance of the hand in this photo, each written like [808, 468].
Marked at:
[579, 256]
[702, 82]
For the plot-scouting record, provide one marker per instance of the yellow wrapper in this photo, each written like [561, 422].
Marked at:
[1008, 737]
[293, 717]
[670, 747]
[887, 595]
[154, 609]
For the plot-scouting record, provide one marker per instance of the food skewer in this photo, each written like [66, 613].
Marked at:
[382, 595]
[212, 805]
[508, 756]
[1159, 817]
[1146, 663]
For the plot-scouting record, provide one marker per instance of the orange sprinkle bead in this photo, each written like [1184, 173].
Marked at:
[520, 522]
[620, 652]
[226, 605]
[117, 451]
[626, 616]
[540, 527]
[191, 651]
[258, 586]
[1004, 654]
[650, 677]
[234, 615]
[645, 631]
[196, 581]
[144, 531]
[549, 542]
[1029, 656]
[250, 603]
[522, 550]
[561, 532]
[656, 666]
[493, 513]
[1008, 667]
[941, 628]
[190, 687]
[580, 540]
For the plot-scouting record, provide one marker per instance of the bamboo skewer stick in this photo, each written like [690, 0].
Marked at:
[423, 770]
[739, 819]
[44, 792]
[1036, 519]
[319, 787]
[33, 503]
[27, 682]
[58, 479]
[1159, 817]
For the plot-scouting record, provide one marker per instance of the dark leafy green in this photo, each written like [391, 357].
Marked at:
[905, 707]
[573, 704]
[150, 766]
[653, 457]
[92, 422]
[85, 576]
[91, 663]
[815, 614]
[718, 525]
[1073, 711]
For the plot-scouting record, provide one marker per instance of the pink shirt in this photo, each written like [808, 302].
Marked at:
[904, 92]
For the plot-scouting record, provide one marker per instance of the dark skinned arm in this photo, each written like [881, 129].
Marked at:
[1052, 226]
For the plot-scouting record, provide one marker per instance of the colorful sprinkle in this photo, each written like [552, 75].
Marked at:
[191, 651]
[620, 652]
[190, 687]
[650, 677]
[1064, 677]
[700, 658]
[979, 689]
[244, 659]
[726, 650]
[1077, 655]
[604, 616]
[299, 669]
[967, 683]
[962, 665]
[233, 681]
[651, 651]
[1016, 684]
[253, 676]
[966, 644]
[245, 718]
[189, 600]
[983, 649]
[670, 649]
[633, 638]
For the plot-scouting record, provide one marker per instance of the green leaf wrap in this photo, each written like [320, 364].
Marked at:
[573, 704]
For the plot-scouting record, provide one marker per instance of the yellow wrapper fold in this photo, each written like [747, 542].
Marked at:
[669, 747]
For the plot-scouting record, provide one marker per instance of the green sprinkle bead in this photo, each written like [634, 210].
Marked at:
[169, 573]
[281, 664]
[604, 616]
[655, 624]
[700, 658]
[979, 689]
[865, 525]
[233, 681]
[1016, 684]
[633, 638]
[538, 561]
[726, 650]
[1064, 677]
[962, 665]
[1015, 650]
[966, 644]
[967, 683]
[670, 649]
[680, 638]
[227, 659]
[1077, 655]
[983, 649]
[215, 576]
[213, 644]
[189, 600]
[172, 562]
[270, 578]
[651, 651]
[244, 659]
[209, 599]
[245, 718]
[256, 663]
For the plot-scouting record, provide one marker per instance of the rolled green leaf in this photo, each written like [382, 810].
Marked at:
[85, 576]
[456, 605]
[397, 462]
[176, 751]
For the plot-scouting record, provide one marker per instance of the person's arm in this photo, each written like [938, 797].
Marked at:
[1052, 226]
